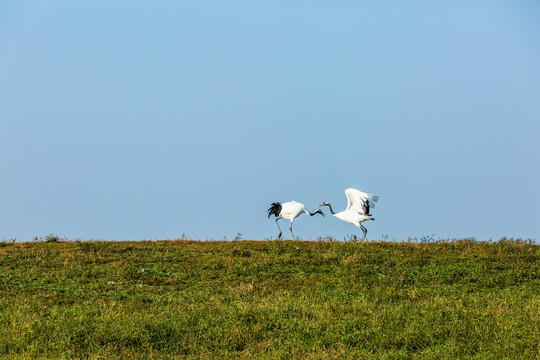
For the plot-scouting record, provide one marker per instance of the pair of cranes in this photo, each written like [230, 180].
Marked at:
[357, 210]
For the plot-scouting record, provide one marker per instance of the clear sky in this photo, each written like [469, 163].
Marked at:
[149, 120]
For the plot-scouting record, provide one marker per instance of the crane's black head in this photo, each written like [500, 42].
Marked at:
[274, 209]
[326, 203]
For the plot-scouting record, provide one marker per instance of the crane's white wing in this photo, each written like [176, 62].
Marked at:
[356, 199]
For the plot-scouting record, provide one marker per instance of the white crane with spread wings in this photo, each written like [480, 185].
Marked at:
[359, 204]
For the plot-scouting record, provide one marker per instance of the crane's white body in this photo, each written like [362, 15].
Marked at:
[357, 210]
[353, 218]
[292, 209]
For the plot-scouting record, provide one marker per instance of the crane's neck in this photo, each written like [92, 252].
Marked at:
[331, 210]
[318, 211]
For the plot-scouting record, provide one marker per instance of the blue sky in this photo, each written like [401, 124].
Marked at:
[130, 120]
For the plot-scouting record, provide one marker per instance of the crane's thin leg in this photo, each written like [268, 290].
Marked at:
[364, 231]
[279, 236]
[290, 228]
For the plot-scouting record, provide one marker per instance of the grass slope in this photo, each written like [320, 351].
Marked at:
[270, 299]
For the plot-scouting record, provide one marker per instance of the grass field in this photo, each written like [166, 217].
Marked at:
[270, 299]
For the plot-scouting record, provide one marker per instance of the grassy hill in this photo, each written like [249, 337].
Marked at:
[270, 299]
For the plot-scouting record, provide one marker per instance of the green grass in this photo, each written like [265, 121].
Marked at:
[270, 299]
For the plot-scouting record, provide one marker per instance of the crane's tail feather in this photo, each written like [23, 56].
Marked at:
[274, 209]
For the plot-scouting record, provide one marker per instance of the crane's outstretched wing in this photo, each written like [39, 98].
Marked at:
[360, 201]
